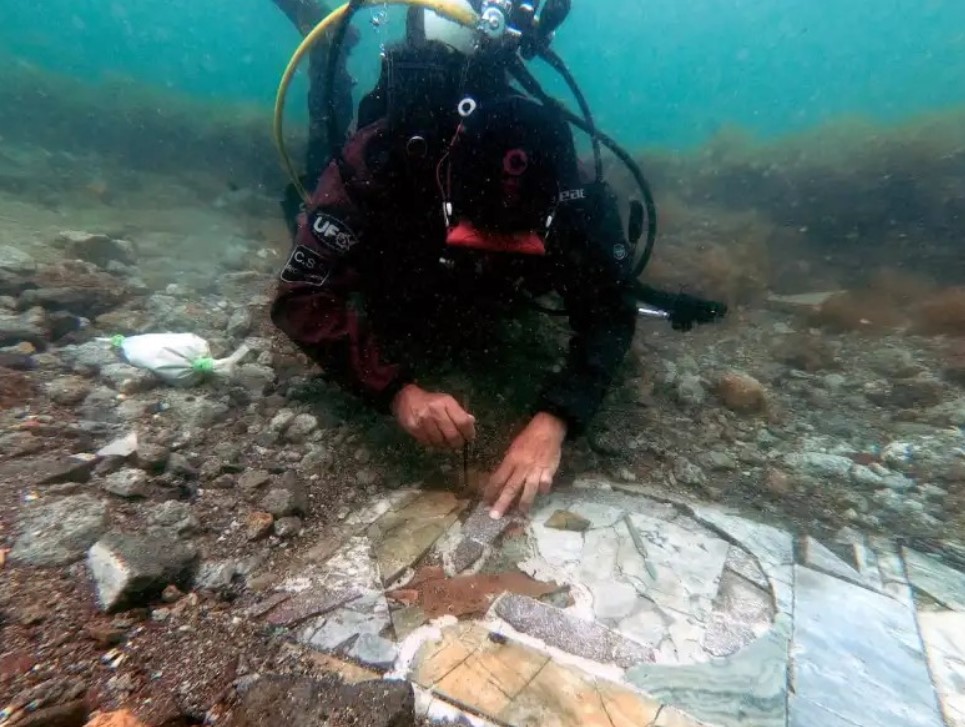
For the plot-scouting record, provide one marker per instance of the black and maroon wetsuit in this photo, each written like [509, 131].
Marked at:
[370, 264]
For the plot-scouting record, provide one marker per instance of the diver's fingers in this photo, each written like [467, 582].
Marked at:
[463, 421]
[511, 490]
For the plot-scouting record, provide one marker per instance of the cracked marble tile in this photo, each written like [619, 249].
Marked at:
[342, 626]
[748, 689]
[857, 654]
[561, 697]
[600, 555]
[744, 564]
[935, 579]
[511, 683]
[944, 635]
[688, 565]
[772, 547]
[401, 537]
[818, 557]
[467, 668]
[612, 599]
[559, 548]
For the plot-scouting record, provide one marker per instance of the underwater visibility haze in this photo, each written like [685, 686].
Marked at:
[777, 491]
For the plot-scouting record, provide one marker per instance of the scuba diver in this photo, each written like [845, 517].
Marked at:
[458, 199]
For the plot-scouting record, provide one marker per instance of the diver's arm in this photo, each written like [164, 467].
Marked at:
[314, 303]
[601, 315]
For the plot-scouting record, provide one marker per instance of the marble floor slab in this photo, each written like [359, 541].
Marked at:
[857, 654]
[930, 576]
[944, 635]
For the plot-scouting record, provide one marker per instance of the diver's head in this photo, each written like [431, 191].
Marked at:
[501, 178]
[505, 25]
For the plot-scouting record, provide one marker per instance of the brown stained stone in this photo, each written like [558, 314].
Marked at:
[514, 684]
[258, 525]
[348, 672]
[401, 538]
[313, 602]
[626, 708]
[438, 657]
[466, 667]
[561, 697]
[565, 520]
[466, 595]
[492, 677]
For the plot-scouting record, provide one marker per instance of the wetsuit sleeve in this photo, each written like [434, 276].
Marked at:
[319, 302]
[593, 261]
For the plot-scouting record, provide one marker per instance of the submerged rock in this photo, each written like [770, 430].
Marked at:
[101, 250]
[133, 570]
[741, 393]
[29, 326]
[129, 483]
[59, 532]
[16, 267]
[79, 288]
[68, 390]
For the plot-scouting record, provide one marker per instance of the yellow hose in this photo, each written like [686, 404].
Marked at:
[450, 11]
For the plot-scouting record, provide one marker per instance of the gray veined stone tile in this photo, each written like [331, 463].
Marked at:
[569, 633]
[817, 557]
[748, 689]
[557, 547]
[600, 551]
[890, 565]
[868, 565]
[782, 586]
[944, 637]
[934, 578]
[856, 653]
[688, 565]
[805, 713]
[772, 547]
[342, 626]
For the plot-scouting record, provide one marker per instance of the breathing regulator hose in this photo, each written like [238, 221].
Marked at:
[643, 217]
[449, 10]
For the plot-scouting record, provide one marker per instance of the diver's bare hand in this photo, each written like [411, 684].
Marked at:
[529, 466]
[433, 419]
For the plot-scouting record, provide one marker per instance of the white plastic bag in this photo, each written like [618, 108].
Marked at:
[180, 359]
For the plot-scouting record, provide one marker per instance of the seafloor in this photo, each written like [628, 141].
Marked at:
[765, 525]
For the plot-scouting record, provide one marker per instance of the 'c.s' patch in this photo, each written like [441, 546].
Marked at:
[306, 266]
[332, 233]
